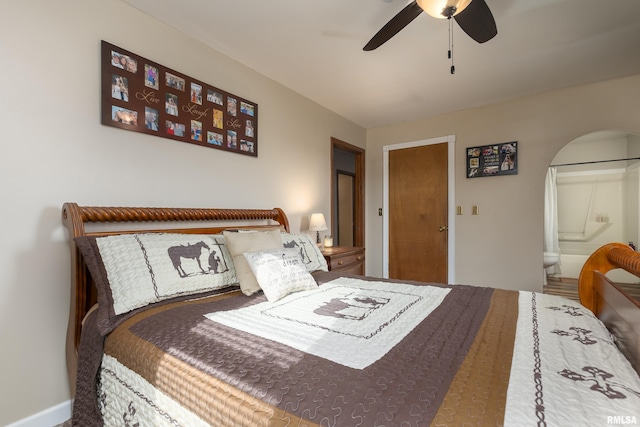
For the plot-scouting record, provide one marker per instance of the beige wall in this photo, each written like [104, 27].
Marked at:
[502, 246]
[53, 149]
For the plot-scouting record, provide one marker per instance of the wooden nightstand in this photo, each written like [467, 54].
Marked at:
[345, 259]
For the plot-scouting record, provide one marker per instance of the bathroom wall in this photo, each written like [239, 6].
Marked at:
[633, 190]
[597, 203]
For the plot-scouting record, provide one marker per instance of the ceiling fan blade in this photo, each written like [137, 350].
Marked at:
[477, 21]
[397, 23]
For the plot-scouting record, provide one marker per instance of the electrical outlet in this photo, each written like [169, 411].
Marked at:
[379, 211]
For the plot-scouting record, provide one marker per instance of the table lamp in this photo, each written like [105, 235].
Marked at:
[317, 224]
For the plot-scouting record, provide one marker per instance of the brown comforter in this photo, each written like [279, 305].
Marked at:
[451, 369]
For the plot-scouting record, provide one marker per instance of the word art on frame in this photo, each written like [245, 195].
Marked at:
[143, 96]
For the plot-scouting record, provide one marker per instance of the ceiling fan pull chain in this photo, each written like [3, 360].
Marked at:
[453, 68]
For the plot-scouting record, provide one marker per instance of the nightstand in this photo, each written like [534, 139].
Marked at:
[345, 259]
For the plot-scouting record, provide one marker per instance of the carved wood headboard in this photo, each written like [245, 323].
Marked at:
[75, 218]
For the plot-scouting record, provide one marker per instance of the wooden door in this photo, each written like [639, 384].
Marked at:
[418, 213]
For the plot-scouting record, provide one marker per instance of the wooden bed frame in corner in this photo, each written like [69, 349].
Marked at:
[613, 306]
[75, 218]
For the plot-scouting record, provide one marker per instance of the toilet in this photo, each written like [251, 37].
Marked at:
[550, 259]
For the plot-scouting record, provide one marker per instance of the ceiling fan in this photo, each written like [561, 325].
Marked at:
[473, 16]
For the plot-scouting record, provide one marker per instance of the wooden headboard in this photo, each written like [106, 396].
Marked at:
[613, 306]
[75, 218]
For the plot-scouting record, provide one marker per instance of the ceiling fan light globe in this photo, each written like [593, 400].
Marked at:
[436, 8]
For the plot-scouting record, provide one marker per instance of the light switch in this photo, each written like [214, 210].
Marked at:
[475, 210]
[458, 210]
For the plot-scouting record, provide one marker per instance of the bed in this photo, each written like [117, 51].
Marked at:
[167, 327]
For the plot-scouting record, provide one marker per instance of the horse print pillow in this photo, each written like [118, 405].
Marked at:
[134, 270]
[312, 258]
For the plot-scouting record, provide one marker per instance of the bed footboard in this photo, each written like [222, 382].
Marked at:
[613, 306]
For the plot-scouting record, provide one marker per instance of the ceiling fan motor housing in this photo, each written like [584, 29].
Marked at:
[449, 11]
[443, 8]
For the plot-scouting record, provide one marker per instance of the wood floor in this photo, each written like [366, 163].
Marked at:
[568, 288]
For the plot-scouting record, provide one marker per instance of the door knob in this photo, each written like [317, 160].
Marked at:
[442, 228]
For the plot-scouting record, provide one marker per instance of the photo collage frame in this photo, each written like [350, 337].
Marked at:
[492, 160]
[143, 96]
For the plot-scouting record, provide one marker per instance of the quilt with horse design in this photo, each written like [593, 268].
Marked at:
[474, 355]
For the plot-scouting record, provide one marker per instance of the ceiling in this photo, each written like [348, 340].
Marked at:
[314, 47]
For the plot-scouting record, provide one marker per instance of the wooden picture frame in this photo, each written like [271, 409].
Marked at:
[143, 96]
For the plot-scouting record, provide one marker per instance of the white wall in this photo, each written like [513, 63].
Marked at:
[591, 210]
[502, 246]
[53, 149]
[593, 147]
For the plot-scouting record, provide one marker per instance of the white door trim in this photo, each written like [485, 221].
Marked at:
[450, 140]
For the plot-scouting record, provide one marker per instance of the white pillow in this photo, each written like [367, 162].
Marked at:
[280, 272]
[255, 241]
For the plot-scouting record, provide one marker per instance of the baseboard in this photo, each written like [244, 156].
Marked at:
[47, 418]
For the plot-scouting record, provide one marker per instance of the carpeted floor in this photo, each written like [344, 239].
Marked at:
[65, 424]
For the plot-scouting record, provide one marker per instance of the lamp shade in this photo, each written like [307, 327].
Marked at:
[443, 8]
[317, 222]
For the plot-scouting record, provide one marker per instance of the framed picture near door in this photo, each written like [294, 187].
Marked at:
[492, 160]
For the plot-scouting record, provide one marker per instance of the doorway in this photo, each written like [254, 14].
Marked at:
[597, 199]
[346, 197]
[433, 226]
[347, 194]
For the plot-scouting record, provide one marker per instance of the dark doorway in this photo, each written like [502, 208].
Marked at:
[347, 194]
[346, 197]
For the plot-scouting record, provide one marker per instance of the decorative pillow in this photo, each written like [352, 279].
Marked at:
[253, 241]
[312, 258]
[280, 272]
[134, 270]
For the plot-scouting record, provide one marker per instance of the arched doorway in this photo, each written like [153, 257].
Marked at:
[598, 196]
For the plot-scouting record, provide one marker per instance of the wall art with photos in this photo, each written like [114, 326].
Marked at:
[143, 96]
[492, 160]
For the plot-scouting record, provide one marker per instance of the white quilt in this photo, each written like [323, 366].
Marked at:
[565, 375]
[329, 321]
